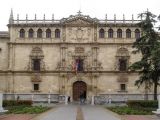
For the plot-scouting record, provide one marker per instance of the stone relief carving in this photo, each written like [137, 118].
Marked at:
[79, 22]
[80, 53]
[69, 31]
[36, 77]
[122, 79]
[79, 33]
[79, 19]
[88, 31]
[122, 53]
[36, 53]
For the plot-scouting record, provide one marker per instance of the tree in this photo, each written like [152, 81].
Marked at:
[147, 45]
[155, 71]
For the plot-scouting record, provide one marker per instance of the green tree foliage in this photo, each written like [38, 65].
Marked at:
[148, 45]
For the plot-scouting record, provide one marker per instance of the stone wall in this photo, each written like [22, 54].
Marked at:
[3, 54]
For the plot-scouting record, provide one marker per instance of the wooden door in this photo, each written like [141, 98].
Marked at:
[79, 87]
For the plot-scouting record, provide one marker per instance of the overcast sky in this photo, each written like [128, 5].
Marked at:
[64, 8]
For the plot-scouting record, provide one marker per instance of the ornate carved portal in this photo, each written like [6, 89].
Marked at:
[79, 88]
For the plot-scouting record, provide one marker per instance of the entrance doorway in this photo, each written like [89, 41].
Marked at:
[79, 87]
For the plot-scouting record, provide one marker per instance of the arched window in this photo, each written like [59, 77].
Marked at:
[137, 33]
[110, 33]
[101, 33]
[128, 33]
[119, 33]
[48, 33]
[57, 33]
[22, 33]
[39, 33]
[31, 33]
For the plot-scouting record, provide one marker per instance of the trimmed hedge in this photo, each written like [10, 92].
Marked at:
[125, 110]
[143, 103]
[9, 103]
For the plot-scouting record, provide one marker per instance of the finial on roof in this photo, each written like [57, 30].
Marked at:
[123, 18]
[114, 18]
[132, 18]
[44, 17]
[11, 19]
[26, 16]
[106, 16]
[79, 12]
[35, 16]
[17, 18]
[52, 16]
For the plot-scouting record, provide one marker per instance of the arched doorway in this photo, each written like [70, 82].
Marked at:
[79, 87]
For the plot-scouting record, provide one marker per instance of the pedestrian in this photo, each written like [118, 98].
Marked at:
[81, 98]
[69, 99]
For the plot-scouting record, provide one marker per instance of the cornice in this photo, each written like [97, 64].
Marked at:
[67, 43]
[68, 72]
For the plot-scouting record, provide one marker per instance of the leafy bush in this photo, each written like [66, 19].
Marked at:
[142, 103]
[131, 111]
[27, 109]
[8, 103]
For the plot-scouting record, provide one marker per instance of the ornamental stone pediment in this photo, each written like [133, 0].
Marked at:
[79, 19]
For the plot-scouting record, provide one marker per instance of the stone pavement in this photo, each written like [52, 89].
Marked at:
[98, 113]
[65, 112]
[78, 112]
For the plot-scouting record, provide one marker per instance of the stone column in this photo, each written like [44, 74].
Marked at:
[95, 33]
[10, 57]
[49, 98]
[66, 100]
[109, 100]
[1, 103]
[43, 33]
[92, 101]
[158, 110]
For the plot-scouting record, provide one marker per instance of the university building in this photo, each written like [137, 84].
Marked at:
[68, 57]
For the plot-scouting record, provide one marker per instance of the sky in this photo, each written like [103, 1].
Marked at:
[65, 8]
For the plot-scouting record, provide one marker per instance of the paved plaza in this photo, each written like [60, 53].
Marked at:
[77, 112]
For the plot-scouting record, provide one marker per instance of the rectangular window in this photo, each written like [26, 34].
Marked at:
[36, 64]
[123, 87]
[122, 64]
[36, 87]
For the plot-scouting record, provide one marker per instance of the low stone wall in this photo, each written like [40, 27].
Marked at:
[106, 98]
[35, 97]
[56, 98]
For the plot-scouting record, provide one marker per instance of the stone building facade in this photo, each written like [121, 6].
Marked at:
[70, 56]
